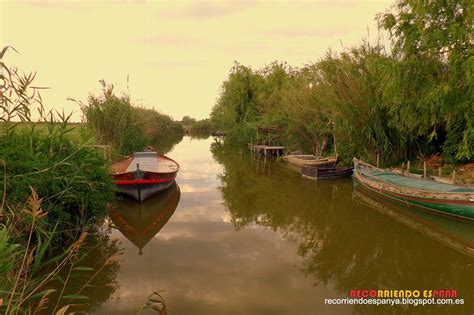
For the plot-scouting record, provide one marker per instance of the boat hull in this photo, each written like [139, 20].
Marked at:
[319, 173]
[454, 204]
[449, 207]
[297, 162]
[142, 191]
[144, 174]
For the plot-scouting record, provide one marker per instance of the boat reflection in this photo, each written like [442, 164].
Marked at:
[456, 234]
[140, 222]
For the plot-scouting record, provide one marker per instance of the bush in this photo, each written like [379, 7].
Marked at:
[72, 180]
[116, 122]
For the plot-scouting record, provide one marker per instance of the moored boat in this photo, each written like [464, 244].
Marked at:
[144, 174]
[435, 196]
[300, 160]
[318, 173]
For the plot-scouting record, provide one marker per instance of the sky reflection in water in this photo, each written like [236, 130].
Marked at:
[207, 265]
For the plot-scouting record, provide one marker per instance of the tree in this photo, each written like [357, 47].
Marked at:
[432, 82]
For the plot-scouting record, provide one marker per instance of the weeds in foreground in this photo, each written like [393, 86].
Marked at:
[30, 276]
[71, 190]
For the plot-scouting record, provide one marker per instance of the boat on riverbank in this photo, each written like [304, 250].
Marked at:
[428, 194]
[317, 173]
[308, 160]
[144, 174]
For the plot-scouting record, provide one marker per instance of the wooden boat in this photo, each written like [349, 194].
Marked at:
[144, 174]
[140, 222]
[440, 197]
[299, 160]
[325, 172]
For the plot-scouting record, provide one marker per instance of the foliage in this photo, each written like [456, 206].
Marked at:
[116, 122]
[73, 180]
[202, 127]
[160, 130]
[52, 189]
[235, 111]
[431, 87]
[113, 122]
[34, 276]
[413, 102]
[187, 120]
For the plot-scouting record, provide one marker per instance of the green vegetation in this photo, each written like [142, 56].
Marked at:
[412, 102]
[328, 224]
[202, 127]
[197, 128]
[116, 122]
[54, 191]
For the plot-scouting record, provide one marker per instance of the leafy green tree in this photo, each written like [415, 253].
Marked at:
[431, 87]
[236, 108]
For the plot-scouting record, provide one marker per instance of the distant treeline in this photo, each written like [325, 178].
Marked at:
[127, 128]
[413, 100]
[198, 128]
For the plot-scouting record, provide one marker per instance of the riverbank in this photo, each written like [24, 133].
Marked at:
[56, 189]
[402, 102]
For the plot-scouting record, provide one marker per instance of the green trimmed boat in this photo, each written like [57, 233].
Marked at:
[428, 194]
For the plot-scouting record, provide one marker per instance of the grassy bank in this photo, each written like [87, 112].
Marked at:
[56, 188]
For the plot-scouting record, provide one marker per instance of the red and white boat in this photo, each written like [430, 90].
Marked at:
[144, 174]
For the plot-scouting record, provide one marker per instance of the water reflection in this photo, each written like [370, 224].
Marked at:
[100, 253]
[452, 232]
[251, 237]
[344, 243]
[140, 222]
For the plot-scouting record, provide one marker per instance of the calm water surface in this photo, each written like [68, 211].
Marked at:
[244, 236]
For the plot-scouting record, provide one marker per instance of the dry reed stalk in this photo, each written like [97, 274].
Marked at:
[72, 249]
[35, 206]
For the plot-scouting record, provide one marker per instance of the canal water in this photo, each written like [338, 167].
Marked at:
[238, 235]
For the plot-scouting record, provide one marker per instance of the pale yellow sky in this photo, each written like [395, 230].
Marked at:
[177, 53]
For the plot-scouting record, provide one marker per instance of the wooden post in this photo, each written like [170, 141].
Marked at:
[440, 171]
[454, 176]
[257, 137]
[378, 160]
[408, 167]
[424, 169]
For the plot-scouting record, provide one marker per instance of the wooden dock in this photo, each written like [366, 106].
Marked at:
[266, 150]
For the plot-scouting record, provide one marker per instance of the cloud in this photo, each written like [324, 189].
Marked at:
[306, 32]
[208, 10]
[181, 41]
[62, 5]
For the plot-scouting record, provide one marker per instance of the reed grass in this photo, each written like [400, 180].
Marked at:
[53, 188]
[114, 121]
